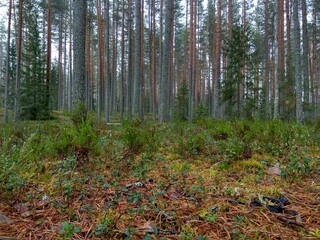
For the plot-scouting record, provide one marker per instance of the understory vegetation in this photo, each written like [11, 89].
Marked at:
[84, 179]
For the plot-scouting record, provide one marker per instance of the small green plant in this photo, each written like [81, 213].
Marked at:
[80, 114]
[296, 167]
[68, 230]
[104, 227]
[79, 140]
[239, 220]
[237, 235]
[134, 197]
[212, 217]
[201, 112]
[10, 178]
[134, 137]
[315, 233]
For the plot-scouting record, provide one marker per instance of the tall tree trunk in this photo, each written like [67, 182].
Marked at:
[191, 62]
[142, 84]
[114, 57]
[6, 95]
[48, 79]
[185, 49]
[108, 77]
[153, 61]
[88, 66]
[60, 74]
[101, 53]
[160, 51]
[281, 63]
[276, 64]
[289, 77]
[164, 97]
[213, 58]
[79, 53]
[130, 64]
[305, 54]
[230, 18]
[18, 71]
[297, 57]
[65, 81]
[70, 85]
[267, 64]
[217, 64]
[122, 90]
[137, 60]
[314, 55]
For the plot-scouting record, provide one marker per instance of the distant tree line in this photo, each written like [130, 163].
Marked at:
[161, 59]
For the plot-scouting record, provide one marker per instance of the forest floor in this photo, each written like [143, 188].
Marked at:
[206, 180]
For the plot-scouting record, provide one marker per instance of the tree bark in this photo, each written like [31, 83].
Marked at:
[217, 64]
[6, 95]
[281, 62]
[108, 77]
[164, 97]
[79, 53]
[48, 77]
[305, 53]
[297, 57]
[130, 64]
[137, 61]
[267, 64]
[18, 71]
[122, 93]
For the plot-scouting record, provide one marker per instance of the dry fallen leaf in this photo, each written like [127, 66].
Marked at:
[147, 227]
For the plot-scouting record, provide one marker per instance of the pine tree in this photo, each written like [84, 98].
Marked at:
[34, 95]
[164, 93]
[79, 58]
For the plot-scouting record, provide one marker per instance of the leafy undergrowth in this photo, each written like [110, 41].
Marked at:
[207, 180]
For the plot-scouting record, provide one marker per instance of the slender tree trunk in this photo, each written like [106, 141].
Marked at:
[191, 63]
[185, 49]
[18, 71]
[137, 60]
[6, 95]
[101, 52]
[122, 92]
[305, 54]
[281, 62]
[289, 78]
[230, 18]
[114, 57]
[65, 81]
[160, 52]
[276, 68]
[60, 74]
[164, 97]
[88, 66]
[267, 64]
[314, 54]
[153, 60]
[108, 77]
[130, 64]
[142, 85]
[297, 57]
[213, 59]
[48, 80]
[70, 59]
[217, 64]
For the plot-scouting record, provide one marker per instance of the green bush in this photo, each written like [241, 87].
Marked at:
[139, 137]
